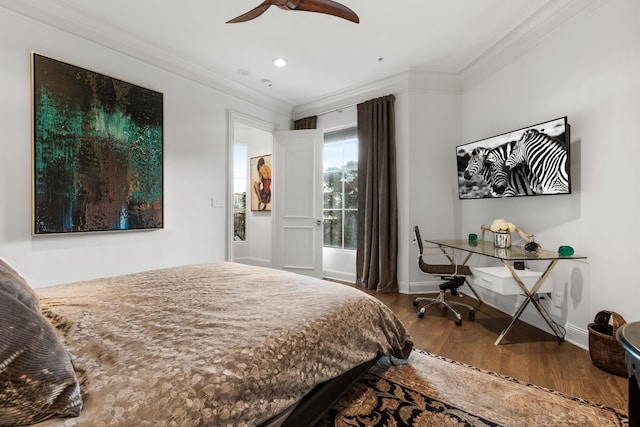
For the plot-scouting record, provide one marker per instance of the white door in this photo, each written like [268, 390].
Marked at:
[297, 201]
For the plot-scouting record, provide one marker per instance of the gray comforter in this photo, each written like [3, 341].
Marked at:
[212, 344]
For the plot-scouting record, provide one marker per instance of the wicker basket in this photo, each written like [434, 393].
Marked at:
[605, 351]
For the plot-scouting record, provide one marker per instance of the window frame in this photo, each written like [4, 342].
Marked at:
[341, 136]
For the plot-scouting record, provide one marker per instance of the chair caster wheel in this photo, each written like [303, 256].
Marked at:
[472, 315]
[421, 315]
[415, 303]
[458, 322]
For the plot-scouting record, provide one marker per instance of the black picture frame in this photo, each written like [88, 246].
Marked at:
[531, 161]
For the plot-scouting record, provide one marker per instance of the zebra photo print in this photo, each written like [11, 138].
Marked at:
[526, 162]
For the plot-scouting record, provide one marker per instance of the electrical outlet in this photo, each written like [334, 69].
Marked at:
[558, 298]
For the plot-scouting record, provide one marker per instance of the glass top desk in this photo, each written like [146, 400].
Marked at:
[507, 255]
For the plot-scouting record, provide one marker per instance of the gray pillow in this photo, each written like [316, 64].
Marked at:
[14, 284]
[37, 380]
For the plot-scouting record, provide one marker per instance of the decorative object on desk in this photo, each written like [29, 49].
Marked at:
[565, 251]
[531, 247]
[499, 252]
[473, 236]
[500, 225]
[605, 351]
[502, 230]
[502, 239]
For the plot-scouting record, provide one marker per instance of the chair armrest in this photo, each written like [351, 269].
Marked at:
[451, 255]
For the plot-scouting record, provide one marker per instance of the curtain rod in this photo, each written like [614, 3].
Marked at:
[338, 110]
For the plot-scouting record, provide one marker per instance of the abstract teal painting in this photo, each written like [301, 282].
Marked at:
[97, 151]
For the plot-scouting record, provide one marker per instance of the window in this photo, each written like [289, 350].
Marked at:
[341, 189]
[239, 192]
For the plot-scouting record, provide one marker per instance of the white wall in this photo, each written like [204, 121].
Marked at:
[434, 129]
[195, 164]
[588, 70]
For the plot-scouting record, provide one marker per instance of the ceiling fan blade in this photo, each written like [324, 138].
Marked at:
[252, 14]
[329, 7]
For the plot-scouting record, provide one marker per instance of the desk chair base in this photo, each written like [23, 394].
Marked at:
[448, 304]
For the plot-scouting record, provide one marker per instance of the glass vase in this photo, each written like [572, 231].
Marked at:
[502, 239]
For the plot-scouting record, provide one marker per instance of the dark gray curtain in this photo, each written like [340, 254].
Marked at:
[306, 123]
[377, 254]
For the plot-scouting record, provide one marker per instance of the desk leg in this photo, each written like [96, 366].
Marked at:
[515, 317]
[529, 297]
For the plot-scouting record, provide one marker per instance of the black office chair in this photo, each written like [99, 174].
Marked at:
[454, 274]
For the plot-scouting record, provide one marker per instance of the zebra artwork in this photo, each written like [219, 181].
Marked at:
[546, 160]
[529, 161]
[501, 181]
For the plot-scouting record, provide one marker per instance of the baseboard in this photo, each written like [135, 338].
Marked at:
[577, 336]
[418, 287]
[574, 334]
[259, 262]
[339, 275]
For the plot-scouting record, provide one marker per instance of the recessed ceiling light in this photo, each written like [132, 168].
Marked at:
[280, 62]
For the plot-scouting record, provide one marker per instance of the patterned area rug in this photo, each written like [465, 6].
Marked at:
[432, 390]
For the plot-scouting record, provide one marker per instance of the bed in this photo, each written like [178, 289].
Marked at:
[209, 344]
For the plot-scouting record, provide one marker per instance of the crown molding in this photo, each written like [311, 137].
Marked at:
[412, 80]
[547, 20]
[46, 12]
[432, 82]
[355, 95]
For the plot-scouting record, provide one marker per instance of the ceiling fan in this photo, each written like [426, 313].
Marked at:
[329, 7]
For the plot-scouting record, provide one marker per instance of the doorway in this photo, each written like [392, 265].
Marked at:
[250, 232]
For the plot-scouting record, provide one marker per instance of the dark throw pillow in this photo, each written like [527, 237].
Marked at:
[37, 380]
[14, 284]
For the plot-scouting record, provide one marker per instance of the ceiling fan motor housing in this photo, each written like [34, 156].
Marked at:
[291, 4]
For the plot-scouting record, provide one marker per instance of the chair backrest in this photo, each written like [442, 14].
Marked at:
[441, 270]
[416, 233]
[418, 238]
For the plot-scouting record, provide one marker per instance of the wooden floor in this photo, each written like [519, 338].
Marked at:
[526, 353]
